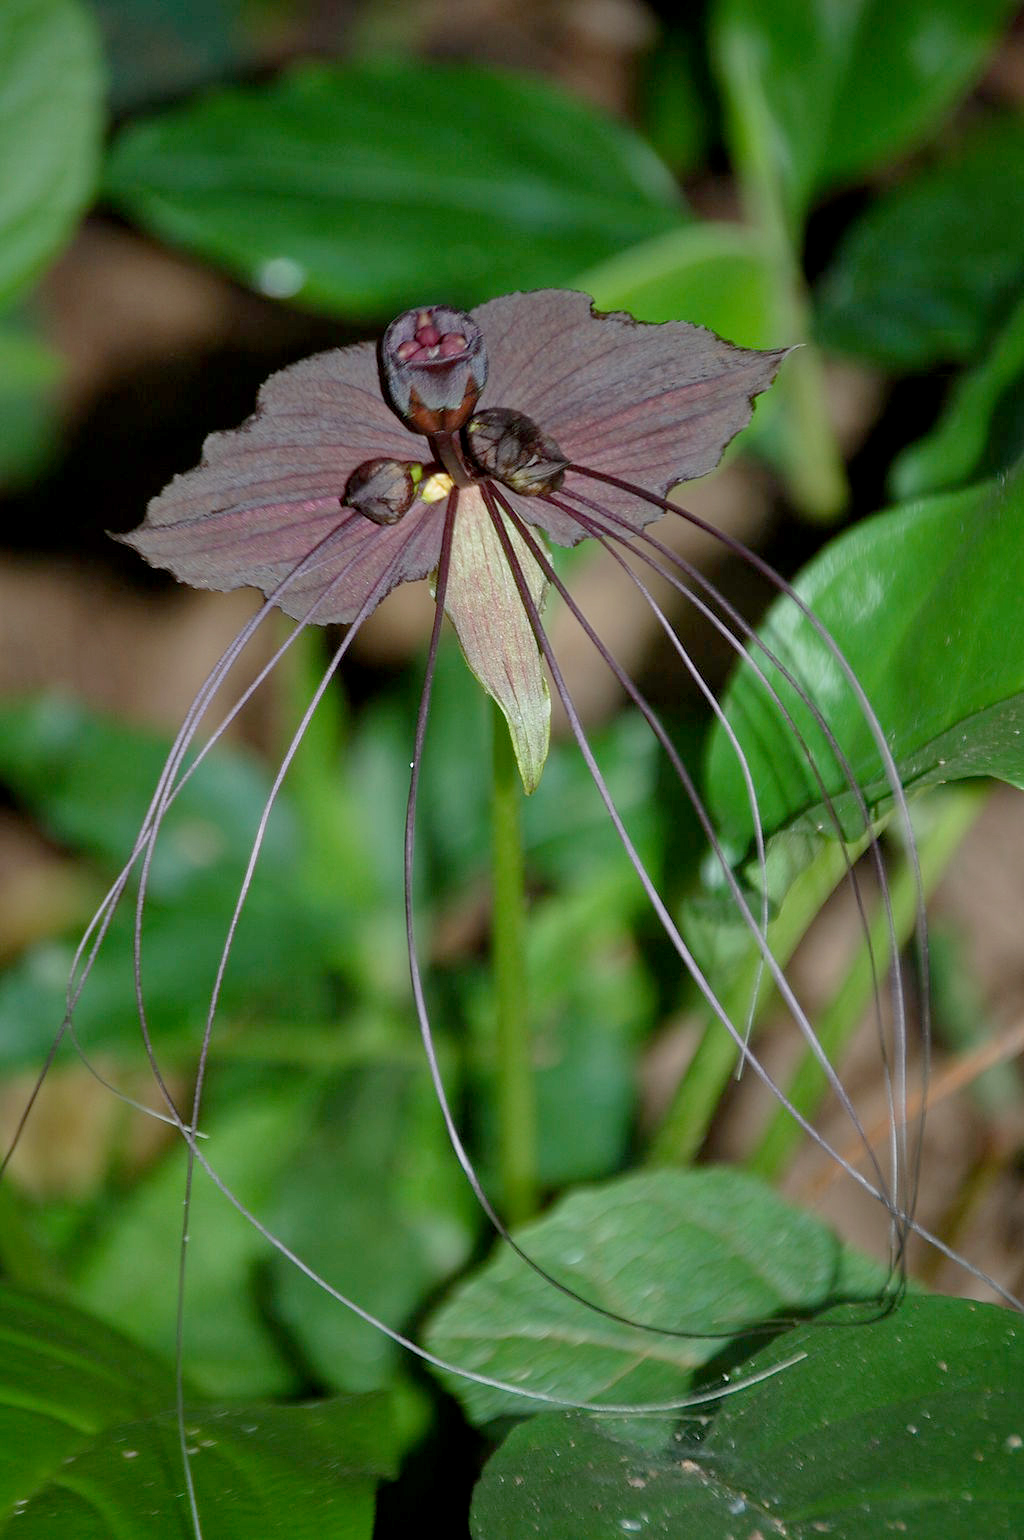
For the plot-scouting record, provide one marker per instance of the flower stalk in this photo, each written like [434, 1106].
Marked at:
[517, 1109]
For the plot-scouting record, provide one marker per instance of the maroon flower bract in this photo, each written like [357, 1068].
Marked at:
[650, 404]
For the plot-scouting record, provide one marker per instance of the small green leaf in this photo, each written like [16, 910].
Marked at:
[352, 188]
[51, 120]
[818, 93]
[909, 1425]
[706, 1250]
[924, 602]
[931, 271]
[981, 430]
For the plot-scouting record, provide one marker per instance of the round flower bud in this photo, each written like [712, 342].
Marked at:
[382, 490]
[512, 449]
[433, 366]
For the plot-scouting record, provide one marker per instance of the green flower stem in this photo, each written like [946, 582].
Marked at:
[693, 1106]
[813, 463]
[955, 812]
[517, 1111]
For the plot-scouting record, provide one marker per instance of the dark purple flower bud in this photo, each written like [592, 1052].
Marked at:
[382, 490]
[511, 448]
[433, 366]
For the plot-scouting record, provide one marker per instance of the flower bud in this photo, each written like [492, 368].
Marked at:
[433, 367]
[511, 448]
[382, 490]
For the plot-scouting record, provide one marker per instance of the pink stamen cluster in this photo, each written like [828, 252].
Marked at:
[428, 343]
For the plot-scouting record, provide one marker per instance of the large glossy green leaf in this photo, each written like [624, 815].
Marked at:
[353, 188]
[296, 1471]
[910, 1425]
[51, 91]
[930, 272]
[63, 1378]
[818, 93]
[925, 603]
[89, 1444]
[710, 1250]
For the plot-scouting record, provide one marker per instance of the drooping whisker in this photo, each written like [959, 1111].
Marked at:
[419, 995]
[164, 794]
[615, 529]
[722, 719]
[702, 1397]
[906, 1156]
[758, 564]
[635, 541]
[370, 602]
[171, 789]
[889, 1200]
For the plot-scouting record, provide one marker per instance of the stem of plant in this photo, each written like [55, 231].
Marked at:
[517, 1110]
[956, 812]
[689, 1117]
[813, 464]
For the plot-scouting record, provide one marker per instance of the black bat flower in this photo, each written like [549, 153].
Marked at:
[455, 451]
[461, 422]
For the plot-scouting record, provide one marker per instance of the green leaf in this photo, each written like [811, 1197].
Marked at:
[64, 1377]
[51, 120]
[89, 1444]
[402, 1219]
[304, 1471]
[981, 430]
[29, 373]
[89, 780]
[924, 602]
[717, 275]
[129, 1271]
[818, 94]
[352, 187]
[910, 1425]
[931, 271]
[301, 1470]
[708, 1250]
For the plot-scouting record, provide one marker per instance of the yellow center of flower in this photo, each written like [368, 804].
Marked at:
[436, 487]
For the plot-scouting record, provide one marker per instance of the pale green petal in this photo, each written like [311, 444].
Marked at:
[484, 606]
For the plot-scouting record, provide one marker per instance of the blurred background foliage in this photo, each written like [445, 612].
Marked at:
[196, 192]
